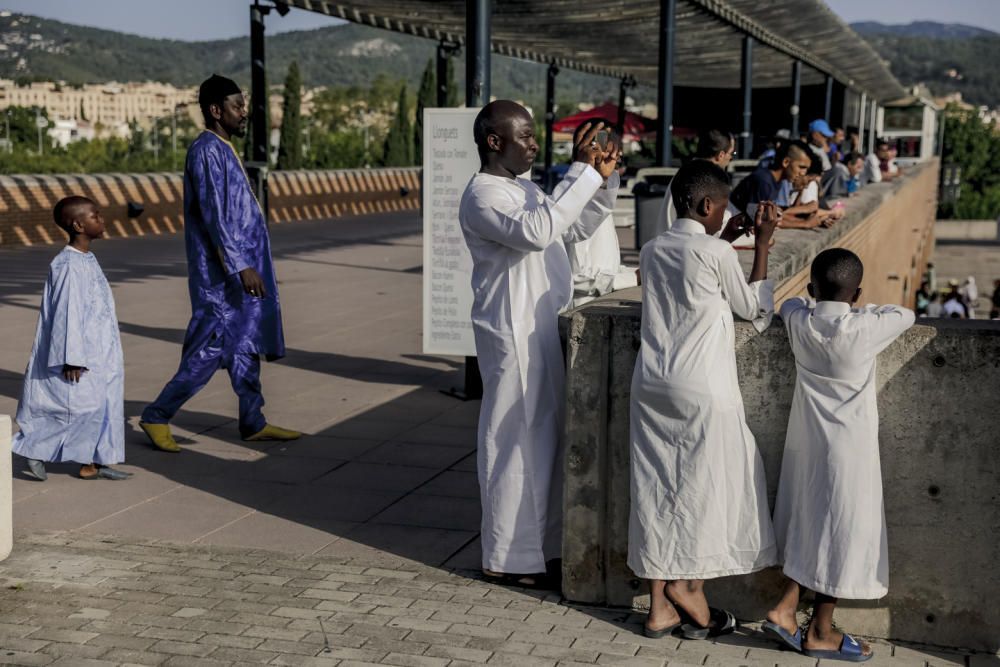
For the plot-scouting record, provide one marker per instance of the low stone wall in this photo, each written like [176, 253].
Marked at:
[939, 437]
[940, 449]
[26, 201]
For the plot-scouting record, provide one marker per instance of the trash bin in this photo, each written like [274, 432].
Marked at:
[648, 204]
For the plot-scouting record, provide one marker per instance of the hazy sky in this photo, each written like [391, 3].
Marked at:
[212, 19]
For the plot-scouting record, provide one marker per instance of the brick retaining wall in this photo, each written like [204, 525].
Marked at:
[26, 201]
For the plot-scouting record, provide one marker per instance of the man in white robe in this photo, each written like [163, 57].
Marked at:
[72, 405]
[521, 280]
[828, 518]
[596, 262]
[698, 494]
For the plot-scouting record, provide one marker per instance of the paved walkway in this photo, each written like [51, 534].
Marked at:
[80, 600]
[231, 553]
[388, 462]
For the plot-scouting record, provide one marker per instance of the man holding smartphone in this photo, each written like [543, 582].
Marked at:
[596, 261]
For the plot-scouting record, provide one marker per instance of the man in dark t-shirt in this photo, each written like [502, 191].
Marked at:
[763, 184]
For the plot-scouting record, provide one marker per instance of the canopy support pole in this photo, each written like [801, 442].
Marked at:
[828, 100]
[445, 50]
[550, 117]
[257, 167]
[861, 121]
[872, 131]
[478, 15]
[746, 83]
[665, 92]
[796, 95]
[626, 83]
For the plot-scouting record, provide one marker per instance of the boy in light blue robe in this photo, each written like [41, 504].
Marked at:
[72, 405]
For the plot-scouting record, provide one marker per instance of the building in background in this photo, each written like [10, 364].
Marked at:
[107, 108]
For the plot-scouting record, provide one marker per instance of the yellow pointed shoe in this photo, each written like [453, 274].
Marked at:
[272, 432]
[160, 436]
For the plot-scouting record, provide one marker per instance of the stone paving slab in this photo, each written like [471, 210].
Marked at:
[72, 599]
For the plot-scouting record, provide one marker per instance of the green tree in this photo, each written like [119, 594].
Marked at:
[426, 97]
[973, 146]
[398, 147]
[290, 143]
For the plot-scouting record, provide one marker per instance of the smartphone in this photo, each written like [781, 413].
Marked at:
[602, 139]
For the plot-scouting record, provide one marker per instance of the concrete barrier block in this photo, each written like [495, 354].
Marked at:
[6, 489]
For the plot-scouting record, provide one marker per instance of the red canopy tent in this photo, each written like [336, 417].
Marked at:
[636, 126]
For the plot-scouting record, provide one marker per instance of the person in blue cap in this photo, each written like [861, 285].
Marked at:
[235, 313]
[819, 141]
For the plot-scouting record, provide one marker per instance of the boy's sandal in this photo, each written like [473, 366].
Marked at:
[725, 623]
[108, 473]
[538, 582]
[850, 651]
[782, 636]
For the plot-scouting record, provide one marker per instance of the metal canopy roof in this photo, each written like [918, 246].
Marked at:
[620, 37]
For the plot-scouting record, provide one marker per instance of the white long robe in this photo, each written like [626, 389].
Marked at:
[596, 263]
[699, 498]
[521, 280]
[77, 326]
[828, 518]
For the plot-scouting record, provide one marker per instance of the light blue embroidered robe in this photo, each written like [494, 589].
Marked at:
[62, 420]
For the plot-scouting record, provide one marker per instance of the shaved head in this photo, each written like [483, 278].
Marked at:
[496, 118]
[69, 209]
[836, 275]
[505, 136]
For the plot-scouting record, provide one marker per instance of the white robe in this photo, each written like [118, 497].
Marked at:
[596, 262]
[829, 518]
[77, 326]
[699, 498]
[521, 280]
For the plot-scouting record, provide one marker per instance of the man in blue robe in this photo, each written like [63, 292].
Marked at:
[72, 405]
[235, 312]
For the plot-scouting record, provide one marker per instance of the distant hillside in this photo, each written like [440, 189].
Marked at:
[43, 49]
[922, 29]
[945, 57]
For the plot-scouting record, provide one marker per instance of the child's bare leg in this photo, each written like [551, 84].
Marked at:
[821, 635]
[661, 613]
[689, 595]
[783, 613]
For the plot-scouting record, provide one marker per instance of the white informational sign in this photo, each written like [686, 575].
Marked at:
[450, 161]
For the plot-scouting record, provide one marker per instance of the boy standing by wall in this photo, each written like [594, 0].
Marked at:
[699, 500]
[72, 406]
[828, 517]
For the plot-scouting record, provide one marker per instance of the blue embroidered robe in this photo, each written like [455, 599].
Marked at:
[225, 232]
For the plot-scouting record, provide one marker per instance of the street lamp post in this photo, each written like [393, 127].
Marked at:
[38, 124]
[156, 142]
[173, 139]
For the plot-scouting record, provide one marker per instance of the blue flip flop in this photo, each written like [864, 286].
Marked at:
[782, 636]
[850, 651]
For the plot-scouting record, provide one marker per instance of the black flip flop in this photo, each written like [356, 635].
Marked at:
[725, 623]
[659, 634]
[537, 582]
